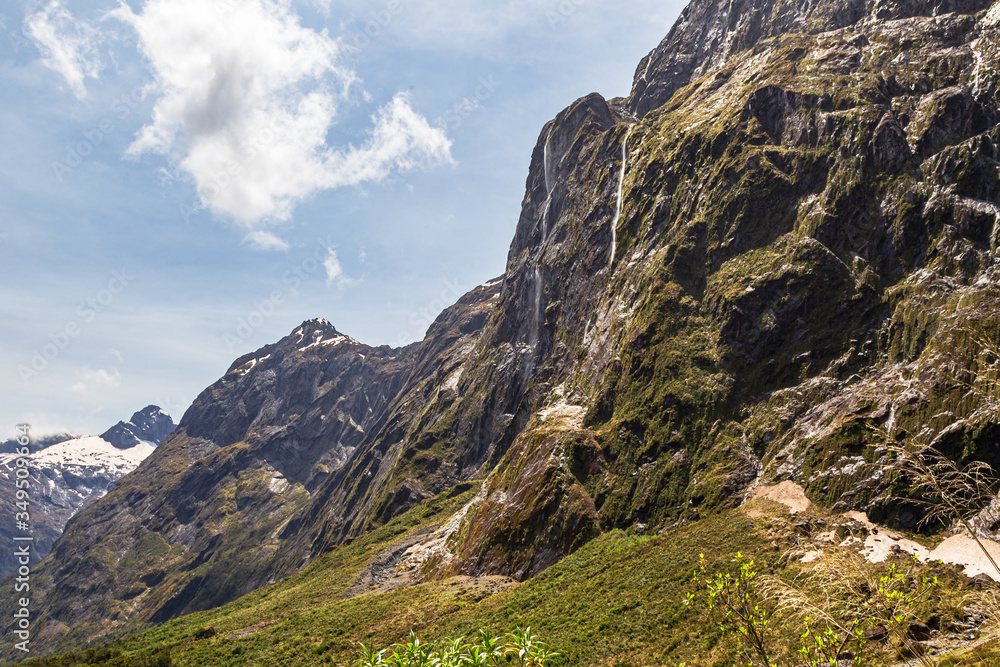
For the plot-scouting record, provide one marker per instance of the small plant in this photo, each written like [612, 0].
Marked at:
[850, 602]
[520, 648]
[739, 599]
[860, 603]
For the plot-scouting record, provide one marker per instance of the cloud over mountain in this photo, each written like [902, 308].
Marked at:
[247, 96]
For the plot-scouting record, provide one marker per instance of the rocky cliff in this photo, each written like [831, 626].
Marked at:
[776, 253]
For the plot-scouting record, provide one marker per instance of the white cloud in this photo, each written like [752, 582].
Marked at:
[42, 424]
[262, 240]
[247, 96]
[334, 271]
[99, 379]
[322, 5]
[68, 46]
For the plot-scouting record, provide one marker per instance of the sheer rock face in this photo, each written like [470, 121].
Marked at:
[799, 260]
[777, 252]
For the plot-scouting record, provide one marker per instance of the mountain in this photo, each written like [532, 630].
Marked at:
[151, 424]
[777, 253]
[68, 472]
[11, 446]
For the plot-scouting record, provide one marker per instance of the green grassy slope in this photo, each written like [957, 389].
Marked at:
[619, 600]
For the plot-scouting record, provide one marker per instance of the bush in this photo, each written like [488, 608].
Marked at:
[519, 648]
[843, 605]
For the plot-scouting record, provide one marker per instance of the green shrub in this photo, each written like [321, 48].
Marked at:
[520, 648]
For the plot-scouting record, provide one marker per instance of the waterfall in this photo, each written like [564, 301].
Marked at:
[545, 219]
[536, 329]
[618, 204]
[978, 56]
[546, 167]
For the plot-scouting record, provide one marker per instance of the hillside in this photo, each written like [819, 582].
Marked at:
[619, 600]
[774, 256]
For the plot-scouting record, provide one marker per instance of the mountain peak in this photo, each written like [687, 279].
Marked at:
[318, 331]
[151, 424]
[709, 33]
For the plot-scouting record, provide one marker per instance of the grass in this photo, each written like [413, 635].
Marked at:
[618, 601]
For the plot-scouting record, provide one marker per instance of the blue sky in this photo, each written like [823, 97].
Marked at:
[184, 181]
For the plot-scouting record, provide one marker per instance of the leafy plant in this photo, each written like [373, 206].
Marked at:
[865, 600]
[843, 600]
[519, 648]
[738, 597]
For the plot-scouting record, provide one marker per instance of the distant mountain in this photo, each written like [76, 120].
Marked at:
[10, 446]
[151, 424]
[69, 471]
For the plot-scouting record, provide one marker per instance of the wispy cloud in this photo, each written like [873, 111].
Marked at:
[68, 46]
[263, 240]
[96, 379]
[247, 96]
[335, 272]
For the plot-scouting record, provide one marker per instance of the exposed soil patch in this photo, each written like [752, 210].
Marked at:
[250, 629]
[381, 576]
[788, 493]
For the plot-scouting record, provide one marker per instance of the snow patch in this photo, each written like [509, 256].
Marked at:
[319, 340]
[249, 366]
[956, 550]
[91, 451]
[964, 551]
